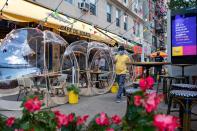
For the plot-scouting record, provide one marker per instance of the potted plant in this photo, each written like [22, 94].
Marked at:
[73, 93]
[114, 88]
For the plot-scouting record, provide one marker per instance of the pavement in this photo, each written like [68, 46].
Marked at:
[87, 105]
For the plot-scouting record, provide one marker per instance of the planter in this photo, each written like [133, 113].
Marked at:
[114, 88]
[72, 97]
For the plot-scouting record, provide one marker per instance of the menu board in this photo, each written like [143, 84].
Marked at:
[184, 35]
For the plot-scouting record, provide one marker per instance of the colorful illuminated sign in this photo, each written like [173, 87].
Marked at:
[184, 36]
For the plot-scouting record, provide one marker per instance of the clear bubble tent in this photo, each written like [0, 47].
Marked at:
[30, 53]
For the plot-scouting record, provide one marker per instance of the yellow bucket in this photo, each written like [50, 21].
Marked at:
[114, 88]
[72, 97]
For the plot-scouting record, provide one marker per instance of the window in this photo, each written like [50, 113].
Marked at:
[93, 7]
[109, 12]
[125, 2]
[69, 1]
[136, 29]
[117, 17]
[125, 21]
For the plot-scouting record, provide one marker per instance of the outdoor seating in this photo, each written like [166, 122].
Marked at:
[59, 85]
[194, 80]
[25, 85]
[186, 99]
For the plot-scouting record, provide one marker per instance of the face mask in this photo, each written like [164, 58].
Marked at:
[121, 52]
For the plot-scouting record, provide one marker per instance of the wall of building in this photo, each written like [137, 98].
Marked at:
[100, 19]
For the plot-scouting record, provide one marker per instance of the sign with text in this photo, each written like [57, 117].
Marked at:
[184, 35]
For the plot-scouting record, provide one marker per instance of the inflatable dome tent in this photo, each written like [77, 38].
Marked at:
[32, 54]
[92, 66]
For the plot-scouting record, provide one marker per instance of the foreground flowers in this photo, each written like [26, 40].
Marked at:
[141, 112]
[33, 104]
[166, 122]
[102, 122]
[10, 121]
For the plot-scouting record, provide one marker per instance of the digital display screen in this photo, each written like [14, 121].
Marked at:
[184, 35]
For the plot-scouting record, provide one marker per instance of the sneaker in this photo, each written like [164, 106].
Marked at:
[118, 101]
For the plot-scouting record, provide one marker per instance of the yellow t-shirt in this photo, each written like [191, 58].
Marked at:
[121, 67]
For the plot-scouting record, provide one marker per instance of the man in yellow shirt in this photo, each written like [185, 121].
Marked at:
[121, 61]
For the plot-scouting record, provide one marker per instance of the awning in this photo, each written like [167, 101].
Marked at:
[118, 39]
[24, 11]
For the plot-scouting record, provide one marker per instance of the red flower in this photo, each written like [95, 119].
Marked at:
[166, 122]
[110, 129]
[18, 130]
[33, 105]
[85, 117]
[71, 117]
[10, 121]
[146, 83]
[151, 102]
[137, 100]
[102, 120]
[61, 119]
[143, 84]
[116, 119]
[82, 120]
[150, 81]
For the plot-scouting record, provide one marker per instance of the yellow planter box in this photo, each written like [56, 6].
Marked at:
[114, 89]
[72, 97]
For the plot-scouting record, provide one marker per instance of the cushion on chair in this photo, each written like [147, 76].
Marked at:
[185, 86]
[183, 93]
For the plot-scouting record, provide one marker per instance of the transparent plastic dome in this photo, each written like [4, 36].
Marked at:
[93, 68]
[26, 51]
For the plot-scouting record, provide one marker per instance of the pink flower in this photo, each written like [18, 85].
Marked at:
[61, 119]
[150, 81]
[102, 120]
[109, 129]
[82, 120]
[116, 119]
[146, 83]
[137, 100]
[151, 102]
[166, 122]
[18, 130]
[10, 121]
[143, 84]
[71, 117]
[33, 105]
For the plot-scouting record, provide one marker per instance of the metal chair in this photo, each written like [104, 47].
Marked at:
[186, 99]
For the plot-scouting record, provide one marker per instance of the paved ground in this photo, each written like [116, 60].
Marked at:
[88, 105]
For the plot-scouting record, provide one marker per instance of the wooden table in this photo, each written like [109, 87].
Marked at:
[97, 76]
[148, 65]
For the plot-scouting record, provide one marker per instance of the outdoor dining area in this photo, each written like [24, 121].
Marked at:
[36, 62]
[179, 91]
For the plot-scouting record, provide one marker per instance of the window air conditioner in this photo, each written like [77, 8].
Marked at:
[85, 6]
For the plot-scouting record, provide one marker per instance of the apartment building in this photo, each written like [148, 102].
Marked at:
[121, 17]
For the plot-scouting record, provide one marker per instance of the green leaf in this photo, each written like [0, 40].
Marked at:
[25, 125]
